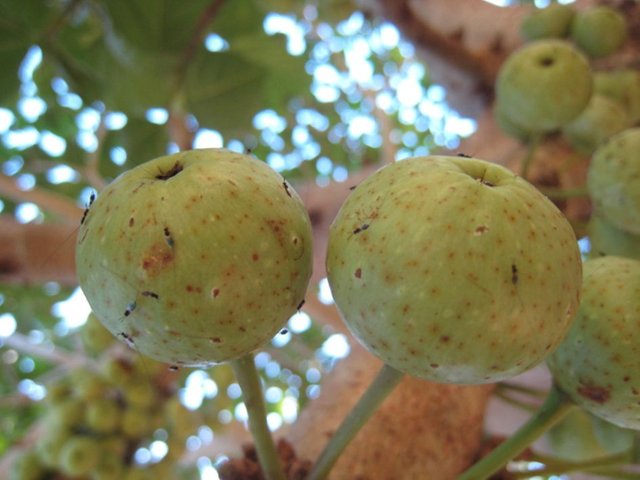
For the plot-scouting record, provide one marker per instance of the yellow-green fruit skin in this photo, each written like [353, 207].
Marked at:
[454, 269]
[607, 239]
[623, 86]
[613, 180]
[544, 85]
[195, 258]
[599, 30]
[601, 119]
[553, 21]
[598, 364]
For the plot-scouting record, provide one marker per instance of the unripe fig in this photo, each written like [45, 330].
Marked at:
[602, 118]
[599, 30]
[552, 21]
[581, 436]
[95, 336]
[613, 180]
[79, 455]
[573, 438]
[544, 85]
[598, 363]
[27, 466]
[623, 86]
[454, 269]
[136, 423]
[195, 258]
[509, 126]
[606, 239]
[103, 415]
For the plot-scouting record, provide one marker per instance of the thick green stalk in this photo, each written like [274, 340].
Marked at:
[554, 408]
[246, 374]
[384, 383]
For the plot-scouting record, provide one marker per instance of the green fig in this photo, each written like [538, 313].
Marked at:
[606, 239]
[95, 336]
[195, 258]
[454, 269]
[613, 180]
[549, 22]
[79, 455]
[622, 85]
[598, 364]
[602, 118]
[103, 415]
[573, 438]
[544, 85]
[509, 126]
[599, 30]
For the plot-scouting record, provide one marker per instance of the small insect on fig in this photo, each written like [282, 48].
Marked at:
[92, 198]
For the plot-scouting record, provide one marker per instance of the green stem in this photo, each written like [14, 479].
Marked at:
[555, 466]
[514, 402]
[246, 374]
[530, 391]
[533, 143]
[384, 383]
[554, 408]
[565, 193]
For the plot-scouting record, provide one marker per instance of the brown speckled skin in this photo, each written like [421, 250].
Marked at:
[454, 279]
[598, 364]
[198, 268]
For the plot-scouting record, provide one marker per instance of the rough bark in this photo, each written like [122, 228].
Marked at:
[37, 253]
[422, 430]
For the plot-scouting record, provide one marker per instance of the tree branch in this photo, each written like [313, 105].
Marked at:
[422, 428]
[45, 199]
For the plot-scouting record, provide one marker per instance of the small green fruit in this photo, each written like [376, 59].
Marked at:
[623, 86]
[79, 455]
[599, 30]
[598, 364]
[109, 468]
[197, 257]
[50, 444]
[581, 436]
[27, 467]
[88, 385]
[66, 413]
[552, 21]
[140, 392]
[614, 180]
[544, 85]
[509, 126]
[607, 239]
[454, 269]
[137, 423]
[103, 415]
[573, 438]
[95, 336]
[602, 118]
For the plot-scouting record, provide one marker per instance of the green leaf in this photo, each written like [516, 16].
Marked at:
[12, 52]
[286, 76]
[142, 141]
[238, 18]
[17, 34]
[224, 91]
[156, 25]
